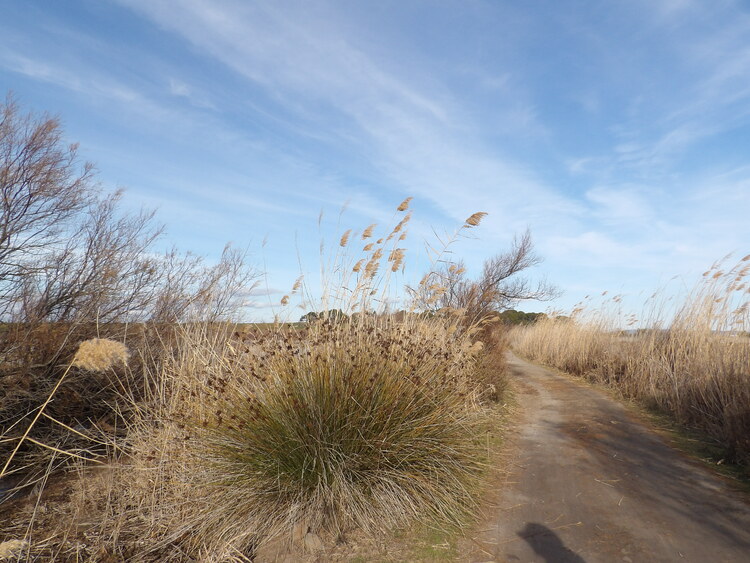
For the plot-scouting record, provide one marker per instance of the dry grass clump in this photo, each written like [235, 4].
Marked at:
[363, 424]
[695, 367]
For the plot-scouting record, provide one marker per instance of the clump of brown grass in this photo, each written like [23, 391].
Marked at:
[695, 366]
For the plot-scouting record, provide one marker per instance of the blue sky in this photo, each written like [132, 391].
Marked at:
[617, 131]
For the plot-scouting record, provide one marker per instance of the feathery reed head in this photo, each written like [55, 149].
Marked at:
[403, 222]
[297, 283]
[345, 238]
[397, 258]
[372, 267]
[404, 204]
[100, 354]
[475, 219]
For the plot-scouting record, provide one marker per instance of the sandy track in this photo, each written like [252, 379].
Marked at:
[589, 483]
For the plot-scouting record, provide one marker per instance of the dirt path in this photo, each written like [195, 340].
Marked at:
[588, 483]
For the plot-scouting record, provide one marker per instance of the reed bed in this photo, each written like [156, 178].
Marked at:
[693, 363]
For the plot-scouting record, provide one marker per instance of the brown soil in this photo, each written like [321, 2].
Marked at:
[588, 482]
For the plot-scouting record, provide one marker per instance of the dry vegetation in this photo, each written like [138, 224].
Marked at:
[363, 423]
[695, 366]
[137, 425]
[75, 266]
[185, 439]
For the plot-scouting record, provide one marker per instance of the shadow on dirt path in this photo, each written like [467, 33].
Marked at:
[589, 483]
[547, 544]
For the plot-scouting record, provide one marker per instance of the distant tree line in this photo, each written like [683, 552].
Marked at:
[513, 317]
[330, 314]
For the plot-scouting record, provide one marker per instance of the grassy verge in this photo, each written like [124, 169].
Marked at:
[694, 366]
[428, 542]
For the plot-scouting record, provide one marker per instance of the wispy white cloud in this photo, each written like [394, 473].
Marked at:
[181, 89]
[588, 127]
[621, 205]
[705, 93]
[418, 139]
[89, 85]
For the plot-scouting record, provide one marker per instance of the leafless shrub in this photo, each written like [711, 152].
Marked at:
[43, 185]
[190, 290]
[74, 265]
[501, 285]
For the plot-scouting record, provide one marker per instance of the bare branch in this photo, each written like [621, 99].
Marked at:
[501, 285]
[42, 186]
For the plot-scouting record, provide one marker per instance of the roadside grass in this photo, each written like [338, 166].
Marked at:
[693, 366]
[74, 511]
[365, 425]
[427, 542]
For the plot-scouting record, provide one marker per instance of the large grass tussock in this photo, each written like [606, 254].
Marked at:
[365, 424]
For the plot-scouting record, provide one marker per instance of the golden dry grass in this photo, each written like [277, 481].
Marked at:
[365, 424]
